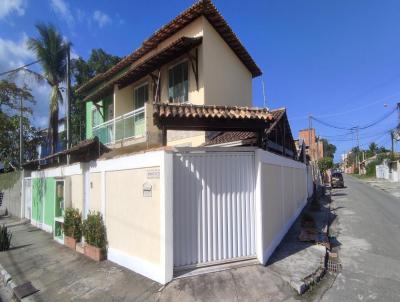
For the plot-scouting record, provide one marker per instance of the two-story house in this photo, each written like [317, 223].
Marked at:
[196, 58]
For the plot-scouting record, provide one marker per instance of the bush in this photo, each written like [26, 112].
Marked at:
[73, 224]
[94, 230]
[370, 169]
[5, 238]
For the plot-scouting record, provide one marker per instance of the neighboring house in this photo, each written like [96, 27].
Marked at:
[218, 181]
[196, 58]
[389, 169]
[314, 146]
[44, 149]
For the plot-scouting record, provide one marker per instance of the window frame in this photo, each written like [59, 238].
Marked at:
[182, 61]
[146, 83]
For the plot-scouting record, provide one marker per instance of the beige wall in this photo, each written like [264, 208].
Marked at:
[77, 192]
[185, 138]
[95, 192]
[227, 81]
[133, 221]
[283, 191]
[273, 201]
[223, 80]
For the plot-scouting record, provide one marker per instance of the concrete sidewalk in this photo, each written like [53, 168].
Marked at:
[302, 264]
[63, 275]
[392, 188]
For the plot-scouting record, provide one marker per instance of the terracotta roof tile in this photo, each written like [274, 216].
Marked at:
[165, 110]
[230, 137]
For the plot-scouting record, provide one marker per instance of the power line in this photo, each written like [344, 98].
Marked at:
[19, 68]
[353, 128]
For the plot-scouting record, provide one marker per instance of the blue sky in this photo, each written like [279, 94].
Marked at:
[337, 60]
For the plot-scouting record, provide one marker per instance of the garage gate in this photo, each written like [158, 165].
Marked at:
[214, 207]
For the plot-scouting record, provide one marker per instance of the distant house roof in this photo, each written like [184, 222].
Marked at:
[230, 137]
[244, 137]
[202, 8]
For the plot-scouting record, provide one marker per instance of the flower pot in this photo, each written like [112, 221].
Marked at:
[70, 242]
[94, 253]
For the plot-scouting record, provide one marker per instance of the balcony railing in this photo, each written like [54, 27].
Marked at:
[129, 125]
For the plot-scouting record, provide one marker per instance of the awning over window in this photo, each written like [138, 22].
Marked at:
[141, 69]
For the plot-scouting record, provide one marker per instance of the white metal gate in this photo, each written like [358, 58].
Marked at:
[28, 198]
[213, 207]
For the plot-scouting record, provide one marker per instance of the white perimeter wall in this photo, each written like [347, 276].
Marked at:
[281, 194]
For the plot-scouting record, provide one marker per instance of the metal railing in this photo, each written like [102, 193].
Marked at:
[128, 125]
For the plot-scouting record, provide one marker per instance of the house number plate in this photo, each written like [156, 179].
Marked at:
[153, 174]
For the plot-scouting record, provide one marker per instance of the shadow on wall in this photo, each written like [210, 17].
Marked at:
[291, 245]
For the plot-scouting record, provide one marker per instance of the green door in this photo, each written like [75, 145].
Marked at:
[37, 199]
[50, 193]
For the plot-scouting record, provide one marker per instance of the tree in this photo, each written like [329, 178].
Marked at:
[325, 164]
[373, 147]
[99, 61]
[329, 149]
[51, 51]
[10, 98]
[11, 94]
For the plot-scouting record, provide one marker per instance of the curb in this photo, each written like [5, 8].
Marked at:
[9, 283]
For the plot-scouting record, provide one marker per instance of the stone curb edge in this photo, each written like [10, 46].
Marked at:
[9, 283]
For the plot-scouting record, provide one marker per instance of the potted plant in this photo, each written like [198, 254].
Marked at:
[72, 227]
[94, 232]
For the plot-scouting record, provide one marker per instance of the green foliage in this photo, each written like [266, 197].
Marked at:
[5, 238]
[98, 62]
[8, 180]
[73, 224]
[51, 50]
[94, 230]
[329, 149]
[10, 97]
[325, 164]
[370, 169]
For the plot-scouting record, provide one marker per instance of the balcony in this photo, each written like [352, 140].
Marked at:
[127, 126]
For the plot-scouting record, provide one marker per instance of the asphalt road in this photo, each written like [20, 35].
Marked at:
[369, 234]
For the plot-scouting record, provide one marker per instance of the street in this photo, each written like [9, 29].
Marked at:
[368, 231]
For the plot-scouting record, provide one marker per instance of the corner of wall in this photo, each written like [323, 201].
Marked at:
[166, 212]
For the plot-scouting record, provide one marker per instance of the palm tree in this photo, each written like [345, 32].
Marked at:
[51, 51]
[373, 147]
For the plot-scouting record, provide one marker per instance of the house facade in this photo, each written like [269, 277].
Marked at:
[196, 58]
[314, 146]
[225, 183]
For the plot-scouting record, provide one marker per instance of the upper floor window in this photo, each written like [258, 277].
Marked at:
[97, 119]
[178, 85]
[140, 96]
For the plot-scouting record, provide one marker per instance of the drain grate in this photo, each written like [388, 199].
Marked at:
[334, 265]
[24, 290]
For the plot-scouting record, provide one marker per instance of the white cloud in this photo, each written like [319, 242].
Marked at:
[101, 18]
[62, 9]
[12, 6]
[14, 54]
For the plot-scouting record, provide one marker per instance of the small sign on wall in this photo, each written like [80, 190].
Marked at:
[153, 173]
[147, 189]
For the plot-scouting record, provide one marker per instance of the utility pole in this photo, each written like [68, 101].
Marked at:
[309, 135]
[68, 109]
[358, 151]
[21, 151]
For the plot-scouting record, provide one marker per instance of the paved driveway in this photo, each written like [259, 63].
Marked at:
[369, 231]
[64, 275]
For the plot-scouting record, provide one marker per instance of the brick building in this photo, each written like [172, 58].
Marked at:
[314, 146]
